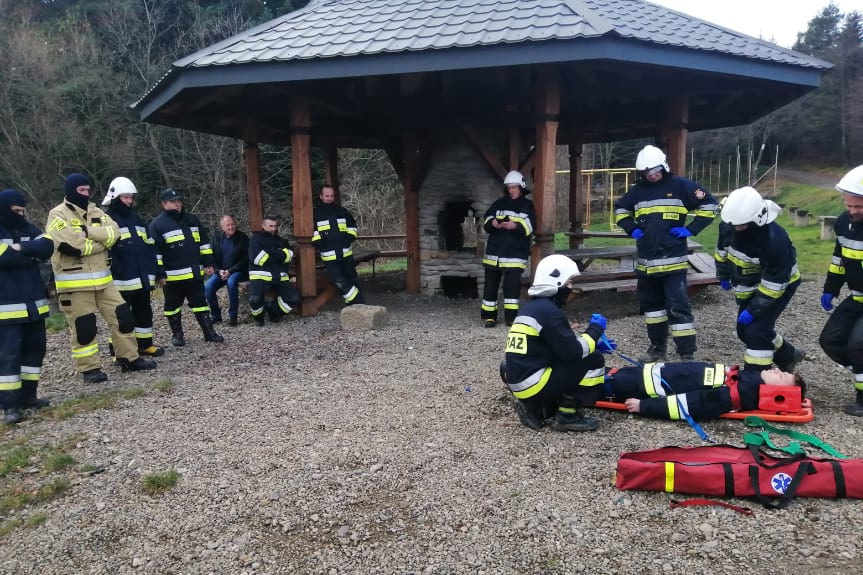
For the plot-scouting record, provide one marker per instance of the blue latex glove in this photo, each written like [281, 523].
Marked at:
[827, 301]
[680, 232]
[725, 284]
[637, 233]
[745, 318]
[606, 345]
[599, 320]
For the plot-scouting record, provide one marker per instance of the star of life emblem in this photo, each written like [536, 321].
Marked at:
[780, 482]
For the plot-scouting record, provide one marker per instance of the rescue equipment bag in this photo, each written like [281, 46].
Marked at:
[728, 471]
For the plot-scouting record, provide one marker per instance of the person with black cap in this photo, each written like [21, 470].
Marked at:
[82, 235]
[23, 307]
[184, 257]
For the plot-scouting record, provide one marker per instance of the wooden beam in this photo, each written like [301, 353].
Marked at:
[545, 203]
[331, 169]
[674, 131]
[486, 154]
[252, 159]
[577, 195]
[303, 202]
[412, 180]
[528, 164]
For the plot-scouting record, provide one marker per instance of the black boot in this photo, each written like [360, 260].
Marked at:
[207, 327]
[94, 375]
[35, 403]
[259, 319]
[656, 352]
[176, 323]
[796, 356]
[139, 364]
[12, 416]
[274, 312]
[529, 414]
[856, 408]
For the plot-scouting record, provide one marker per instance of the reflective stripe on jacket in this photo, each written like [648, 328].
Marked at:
[182, 247]
[22, 293]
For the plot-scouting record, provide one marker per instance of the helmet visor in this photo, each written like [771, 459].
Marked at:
[653, 170]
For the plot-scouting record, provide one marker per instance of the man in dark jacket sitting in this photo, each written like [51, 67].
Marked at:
[231, 253]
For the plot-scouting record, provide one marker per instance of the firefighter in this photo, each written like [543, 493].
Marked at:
[842, 336]
[335, 231]
[23, 307]
[704, 390]
[549, 369]
[269, 258]
[183, 258]
[654, 212]
[133, 261]
[82, 235]
[509, 222]
[756, 258]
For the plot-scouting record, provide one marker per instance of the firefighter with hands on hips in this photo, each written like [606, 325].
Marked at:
[654, 212]
[82, 235]
[704, 390]
[23, 307]
[549, 369]
[184, 257]
[842, 336]
[231, 255]
[755, 257]
[335, 231]
[270, 256]
[133, 261]
[509, 222]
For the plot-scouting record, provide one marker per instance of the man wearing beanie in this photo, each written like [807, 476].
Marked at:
[23, 307]
[82, 235]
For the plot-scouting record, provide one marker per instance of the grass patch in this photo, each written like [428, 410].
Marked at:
[58, 461]
[104, 400]
[32, 521]
[56, 323]
[133, 392]
[164, 386]
[157, 483]
[15, 459]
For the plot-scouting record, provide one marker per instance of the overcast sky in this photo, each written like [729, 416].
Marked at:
[776, 20]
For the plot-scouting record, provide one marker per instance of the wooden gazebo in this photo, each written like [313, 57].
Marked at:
[514, 77]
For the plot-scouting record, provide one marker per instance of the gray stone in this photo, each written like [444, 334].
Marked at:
[364, 317]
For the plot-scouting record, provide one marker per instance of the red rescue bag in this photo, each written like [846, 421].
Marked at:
[724, 470]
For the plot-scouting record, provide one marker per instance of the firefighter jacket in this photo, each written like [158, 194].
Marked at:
[182, 246]
[658, 207]
[335, 231]
[133, 257]
[704, 390]
[508, 249]
[760, 262]
[22, 293]
[240, 249]
[269, 257]
[847, 263]
[539, 338]
[81, 243]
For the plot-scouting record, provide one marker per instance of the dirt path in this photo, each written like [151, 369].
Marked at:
[824, 181]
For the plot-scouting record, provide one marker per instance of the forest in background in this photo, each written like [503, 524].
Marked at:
[70, 69]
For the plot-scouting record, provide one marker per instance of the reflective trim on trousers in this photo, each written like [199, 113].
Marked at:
[85, 351]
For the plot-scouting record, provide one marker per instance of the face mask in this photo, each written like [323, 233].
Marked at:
[562, 293]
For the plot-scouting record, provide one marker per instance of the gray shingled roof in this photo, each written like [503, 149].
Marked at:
[344, 28]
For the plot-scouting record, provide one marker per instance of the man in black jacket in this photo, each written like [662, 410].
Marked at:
[335, 231]
[231, 254]
[184, 256]
[269, 258]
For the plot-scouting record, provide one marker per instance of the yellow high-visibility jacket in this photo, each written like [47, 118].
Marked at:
[81, 243]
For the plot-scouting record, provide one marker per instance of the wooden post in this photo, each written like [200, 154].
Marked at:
[331, 170]
[253, 186]
[577, 195]
[303, 202]
[674, 131]
[411, 183]
[545, 202]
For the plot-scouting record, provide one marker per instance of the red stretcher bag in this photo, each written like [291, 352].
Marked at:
[724, 470]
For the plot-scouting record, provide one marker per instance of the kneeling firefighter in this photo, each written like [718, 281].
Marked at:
[550, 370]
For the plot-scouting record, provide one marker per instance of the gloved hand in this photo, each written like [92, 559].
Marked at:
[637, 233]
[599, 320]
[606, 345]
[680, 232]
[827, 301]
[745, 318]
[725, 284]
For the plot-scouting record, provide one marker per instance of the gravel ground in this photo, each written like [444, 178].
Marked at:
[303, 448]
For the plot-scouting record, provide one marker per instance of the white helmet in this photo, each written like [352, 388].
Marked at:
[745, 205]
[552, 273]
[852, 182]
[515, 177]
[650, 157]
[119, 187]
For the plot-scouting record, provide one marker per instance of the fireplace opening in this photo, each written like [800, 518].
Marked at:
[458, 287]
[458, 226]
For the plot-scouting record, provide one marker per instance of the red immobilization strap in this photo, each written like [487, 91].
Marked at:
[731, 383]
[698, 502]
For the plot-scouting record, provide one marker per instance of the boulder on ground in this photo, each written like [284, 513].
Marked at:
[362, 316]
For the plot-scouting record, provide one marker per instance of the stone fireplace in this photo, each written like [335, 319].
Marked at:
[454, 196]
